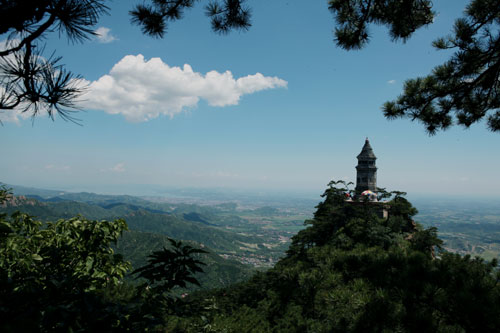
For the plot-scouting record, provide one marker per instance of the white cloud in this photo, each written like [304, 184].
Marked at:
[10, 115]
[142, 89]
[104, 35]
[120, 167]
[391, 81]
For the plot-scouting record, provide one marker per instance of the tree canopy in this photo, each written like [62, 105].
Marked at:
[65, 276]
[29, 81]
[465, 89]
[352, 269]
[225, 15]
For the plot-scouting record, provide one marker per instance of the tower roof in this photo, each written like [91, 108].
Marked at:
[367, 151]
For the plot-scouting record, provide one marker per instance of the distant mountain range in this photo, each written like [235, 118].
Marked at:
[247, 198]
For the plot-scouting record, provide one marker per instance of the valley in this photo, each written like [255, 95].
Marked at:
[245, 233]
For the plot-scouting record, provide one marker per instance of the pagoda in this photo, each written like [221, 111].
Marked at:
[366, 170]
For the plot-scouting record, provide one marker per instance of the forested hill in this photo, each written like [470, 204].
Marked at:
[232, 242]
[149, 230]
[249, 233]
[349, 270]
[353, 271]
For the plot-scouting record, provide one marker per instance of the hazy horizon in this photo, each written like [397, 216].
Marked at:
[238, 194]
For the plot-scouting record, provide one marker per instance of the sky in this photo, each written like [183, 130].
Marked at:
[276, 108]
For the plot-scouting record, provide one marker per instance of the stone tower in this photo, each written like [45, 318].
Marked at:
[366, 178]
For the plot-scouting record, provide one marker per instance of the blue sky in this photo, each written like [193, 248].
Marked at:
[294, 127]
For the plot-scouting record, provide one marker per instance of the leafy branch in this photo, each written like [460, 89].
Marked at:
[169, 268]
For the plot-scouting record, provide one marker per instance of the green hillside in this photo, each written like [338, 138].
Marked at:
[249, 236]
[135, 246]
[140, 219]
[349, 270]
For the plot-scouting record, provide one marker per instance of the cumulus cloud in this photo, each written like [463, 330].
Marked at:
[120, 167]
[103, 35]
[11, 115]
[142, 89]
[391, 81]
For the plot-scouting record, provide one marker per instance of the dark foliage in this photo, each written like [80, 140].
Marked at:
[402, 17]
[31, 82]
[171, 268]
[352, 270]
[466, 88]
[225, 15]
[51, 277]
[65, 276]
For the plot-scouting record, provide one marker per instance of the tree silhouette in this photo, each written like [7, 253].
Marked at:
[463, 90]
[466, 88]
[28, 81]
[225, 15]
